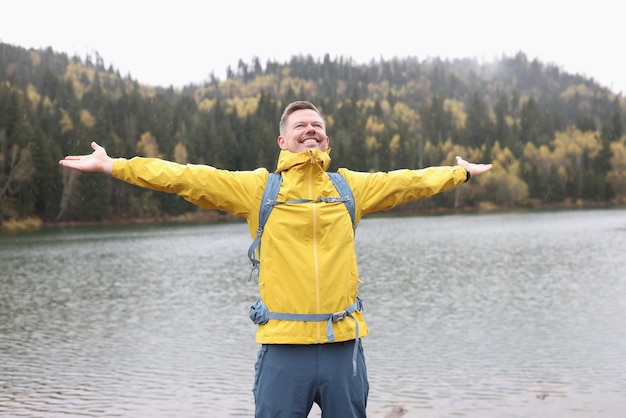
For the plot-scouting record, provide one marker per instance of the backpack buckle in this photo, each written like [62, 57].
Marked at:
[339, 316]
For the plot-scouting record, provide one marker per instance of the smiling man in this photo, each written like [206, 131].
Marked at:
[301, 130]
[308, 314]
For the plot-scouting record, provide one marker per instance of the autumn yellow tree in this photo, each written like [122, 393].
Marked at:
[574, 150]
[148, 146]
[145, 204]
[617, 176]
[502, 185]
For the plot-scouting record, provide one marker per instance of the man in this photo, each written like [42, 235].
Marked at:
[311, 348]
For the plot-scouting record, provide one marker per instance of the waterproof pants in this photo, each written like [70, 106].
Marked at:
[289, 378]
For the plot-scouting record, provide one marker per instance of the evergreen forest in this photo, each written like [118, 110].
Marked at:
[555, 139]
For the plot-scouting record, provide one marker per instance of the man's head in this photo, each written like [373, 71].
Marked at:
[301, 128]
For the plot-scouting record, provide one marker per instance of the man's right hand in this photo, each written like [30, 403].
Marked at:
[98, 161]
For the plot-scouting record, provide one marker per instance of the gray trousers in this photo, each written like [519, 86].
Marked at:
[290, 378]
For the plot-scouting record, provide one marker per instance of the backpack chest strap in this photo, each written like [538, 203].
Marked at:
[269, 200]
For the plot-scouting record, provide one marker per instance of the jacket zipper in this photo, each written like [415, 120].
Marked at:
[315, 252]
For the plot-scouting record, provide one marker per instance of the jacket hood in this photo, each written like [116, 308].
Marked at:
[288, 159]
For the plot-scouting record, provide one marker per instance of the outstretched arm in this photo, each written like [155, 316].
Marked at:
[472, 168]
[98, 161]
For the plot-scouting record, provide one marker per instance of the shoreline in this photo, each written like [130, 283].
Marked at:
[215, 216]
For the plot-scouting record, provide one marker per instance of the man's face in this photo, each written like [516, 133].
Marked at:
[304, 130]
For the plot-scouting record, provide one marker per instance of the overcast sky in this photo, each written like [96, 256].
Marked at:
[180, 42]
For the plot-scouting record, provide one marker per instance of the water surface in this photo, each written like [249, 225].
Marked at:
[496, 315]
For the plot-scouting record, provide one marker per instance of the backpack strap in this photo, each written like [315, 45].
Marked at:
[268, 201]
[346, 195]
[260, 315]
[259, 312]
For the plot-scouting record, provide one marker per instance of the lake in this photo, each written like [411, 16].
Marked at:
[475, 315]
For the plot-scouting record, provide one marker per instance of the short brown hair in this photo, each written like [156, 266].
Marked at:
[292, 107]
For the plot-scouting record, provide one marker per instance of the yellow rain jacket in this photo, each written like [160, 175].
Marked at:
[308, 259]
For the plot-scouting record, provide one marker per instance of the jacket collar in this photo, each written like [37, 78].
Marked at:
[288, 160]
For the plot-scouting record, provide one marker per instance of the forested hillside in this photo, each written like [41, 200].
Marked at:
[554, 138]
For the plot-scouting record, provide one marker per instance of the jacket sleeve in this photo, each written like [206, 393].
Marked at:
[384, 190]
[204, 186]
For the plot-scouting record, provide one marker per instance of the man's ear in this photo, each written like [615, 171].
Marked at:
[281, 142]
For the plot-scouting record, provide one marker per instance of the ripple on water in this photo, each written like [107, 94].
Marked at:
[513, 315]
